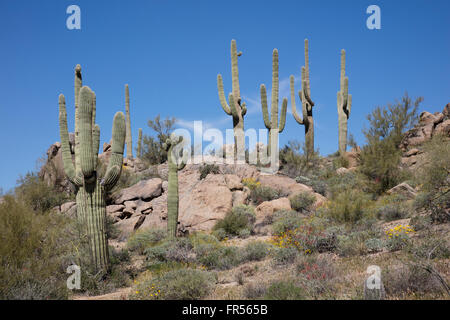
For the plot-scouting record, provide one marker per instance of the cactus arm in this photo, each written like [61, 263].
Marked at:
[264, 107]
[244, 109]
[235, 71]
[233, 108]
[349, 105]
[139, 146]
[275, 89]
[69, 168]
[293, 105]
[85, 126]
[78, 82]
[307, 67]
[117, 148]
[95, 141]
[283, 115]
[223, 101]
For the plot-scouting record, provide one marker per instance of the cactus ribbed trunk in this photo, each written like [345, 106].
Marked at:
[91, 210]
[90, 191]
[129, 142]
[172, 196]
[235, 108]
[305, 97]
[344, 105]
[273, 125]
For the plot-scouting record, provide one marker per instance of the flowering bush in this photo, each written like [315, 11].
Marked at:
[398, 237]
[251, 183]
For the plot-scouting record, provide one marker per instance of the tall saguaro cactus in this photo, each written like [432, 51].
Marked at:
[236, 108]
[344, 105]
[90, 190]
[307, 104]
[172, 197]
[271, 122]
[139, 146]
[128, 124]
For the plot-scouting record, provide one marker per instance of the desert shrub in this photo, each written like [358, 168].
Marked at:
[255, 251]
[264, 193]
[420, 222]
[355, 243]
[433, 178]
[348, 206]
[284, 255]
[405, 279]
[251, 183]
[244, 233]
[34, 252]
[112, 231]
[177, 250]
[39, 196]
[374, 245]
[284, 290]
[143, 239]
[392, 212]
[314, 182]
[380, 157]
[255, 290]
[239, 218]
[340, 162]
[315, 274]
[295, 161]
[208, 168]
[198, 238]
[181, 284]
[347, 182]
[220, 234]
[302, 202]
[431, 247]
[220, 258]
[285, 220]
[397, 237]
[152, 150]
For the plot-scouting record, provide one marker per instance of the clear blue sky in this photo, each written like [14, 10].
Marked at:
[170, 53]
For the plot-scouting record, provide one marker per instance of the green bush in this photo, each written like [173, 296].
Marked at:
[260, 194]
[206, 169]
[256, 250]
[34, 252]
[285, 220]
[255, 290]
[283, 255]
[220, 258]
[181, 284]
[302, 202]
[295, 161]
[143, 239]
[239, 218]
[391, 212]
[348, 206]
[35, 192]
[284, 290]
[374, 245]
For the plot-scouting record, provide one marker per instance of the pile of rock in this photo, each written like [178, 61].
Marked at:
[429, 125]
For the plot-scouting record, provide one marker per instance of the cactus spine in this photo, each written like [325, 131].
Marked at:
[344, 105]
[172, 197]
[128, 129]
[90, 191]
[236, 108]
[274, 127]
[139, 146]
[307, 104]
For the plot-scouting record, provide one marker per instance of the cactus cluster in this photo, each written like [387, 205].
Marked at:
[344, 105]
[275, 127]
[172, 197]
[235, 107]
[307, 104]
[90, 189]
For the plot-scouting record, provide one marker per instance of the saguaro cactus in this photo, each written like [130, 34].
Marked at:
[90, 190]
[128, 124]
[307, 104]
[172, 197]
[236, 108]
[139, 146]
[274, 127]
[344, 105]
